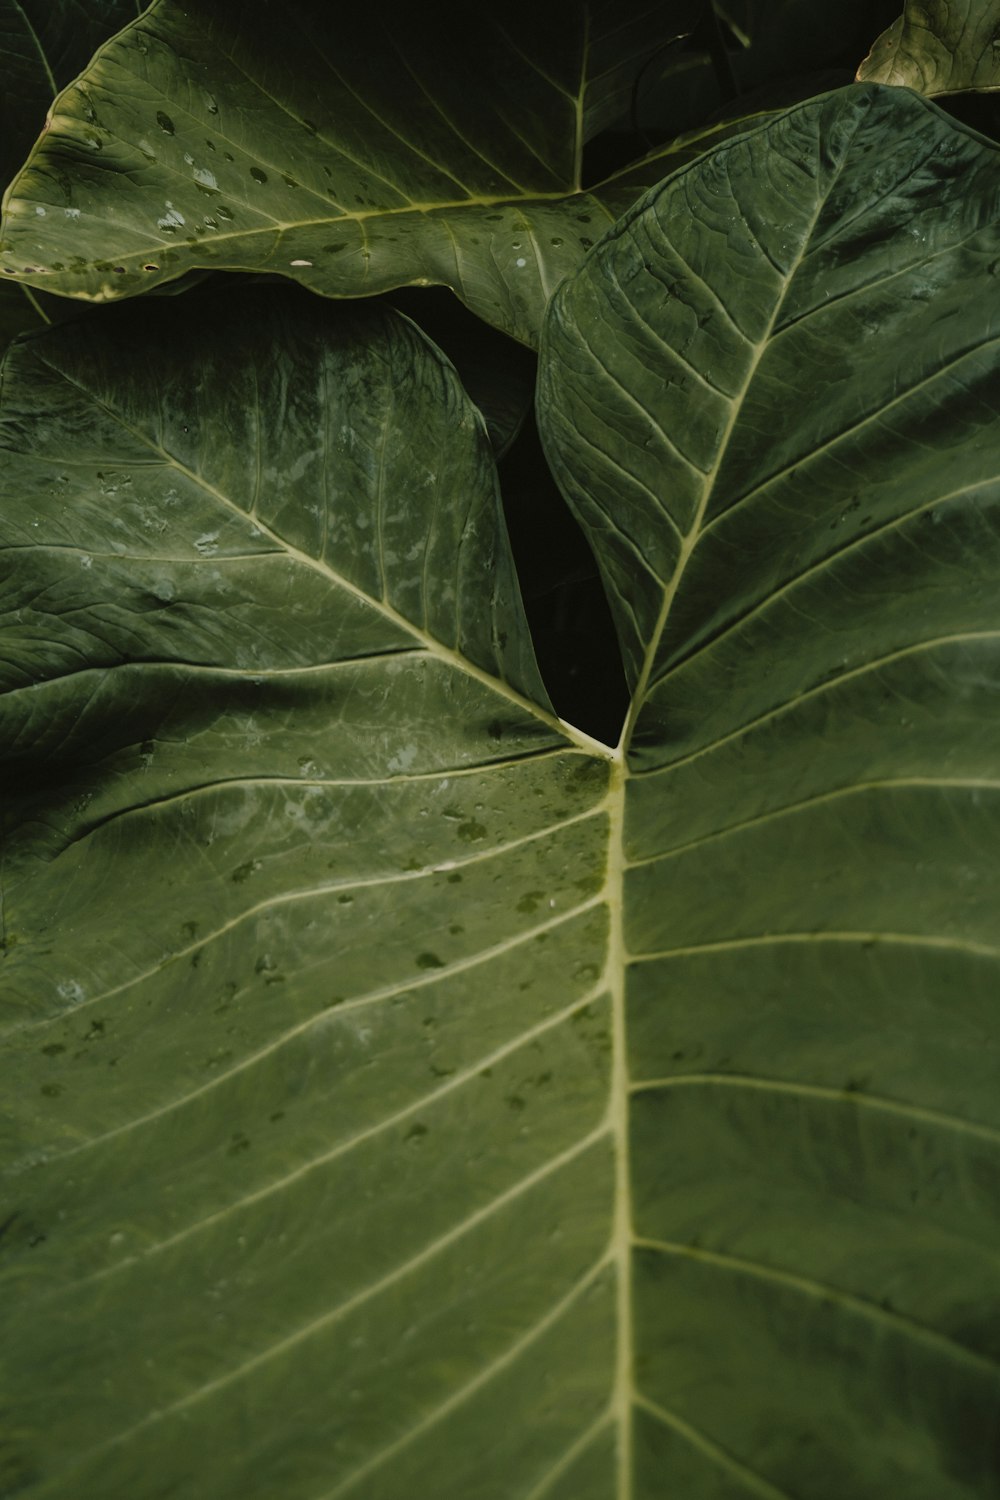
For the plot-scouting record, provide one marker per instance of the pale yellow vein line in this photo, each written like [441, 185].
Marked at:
[324, 1018]
[288, 898]
[34, 302]
[36, 43]
[367, 166]
[386, 657]
[466, 1391]
[689, 273]
[791, 809]
[581, 93]
[442, 775]
[142, 557]
[654, 423]
[755, 1484]
[446, 653]
[566, 1460]
[326, 1320]
[696, 529]
[833, 684]
[934, 1118]
[618, 468]
[345, 1147]
[618, 1112]
[823, 565]
[919, 263]
[628, 308]
[822, 1291]
[833, 935]
[829, 444]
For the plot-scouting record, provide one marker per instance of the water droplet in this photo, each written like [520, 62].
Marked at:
[258, 175]
[211, 104]
[223, 212]
[165, 123]
[429, 961]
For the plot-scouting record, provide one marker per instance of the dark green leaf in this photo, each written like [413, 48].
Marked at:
[351, 152]
[408, 1102]
[770, 395]
[43, 45]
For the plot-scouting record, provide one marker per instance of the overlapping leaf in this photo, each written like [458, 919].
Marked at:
[302, 924]
[43, 45]
[352, 152]
[778, 425]
[386, 1060]
[938, 47]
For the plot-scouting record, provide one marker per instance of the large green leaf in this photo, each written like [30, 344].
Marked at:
[414, 1098]
[303, 925]
[354, 152]
[770, 395]
[938, 47]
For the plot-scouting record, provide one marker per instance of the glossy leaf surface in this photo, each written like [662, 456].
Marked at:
[303, 927]
[412, 1097]
[353, 153]
[777, 426]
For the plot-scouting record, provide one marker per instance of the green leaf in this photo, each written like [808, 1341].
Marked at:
[770, 397]
[301, 903]
[414, 1097]
[938, 47]
[353, 156]
[43, 45]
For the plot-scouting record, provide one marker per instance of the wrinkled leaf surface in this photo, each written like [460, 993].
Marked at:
[938, 47]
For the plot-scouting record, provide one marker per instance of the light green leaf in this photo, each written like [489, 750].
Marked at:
[412, 1097]
[938, 47]
[770, 397]
[353, 153]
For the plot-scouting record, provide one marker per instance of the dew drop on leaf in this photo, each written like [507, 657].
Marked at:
[165, 123]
